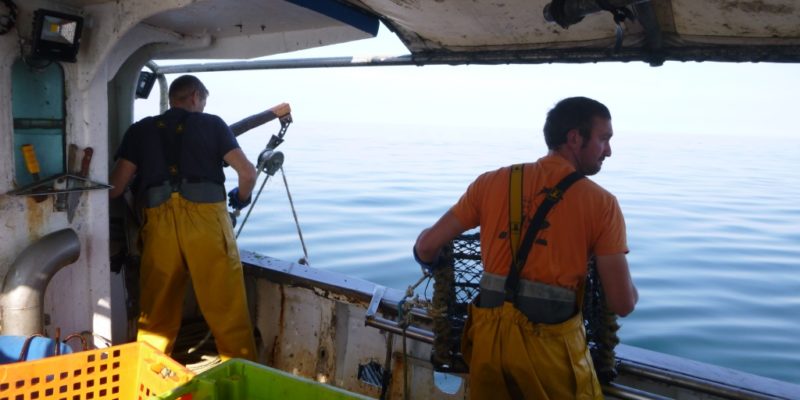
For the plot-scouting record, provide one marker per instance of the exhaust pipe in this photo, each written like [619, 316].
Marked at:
[22, 298]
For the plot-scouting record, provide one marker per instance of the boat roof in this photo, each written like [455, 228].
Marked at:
[488, 32]
[221, 29]
[652, 31]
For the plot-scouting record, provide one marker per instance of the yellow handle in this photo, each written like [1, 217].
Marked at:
[30, 159]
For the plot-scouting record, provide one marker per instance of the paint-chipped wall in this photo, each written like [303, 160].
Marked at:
[322, 336]
[78, 297]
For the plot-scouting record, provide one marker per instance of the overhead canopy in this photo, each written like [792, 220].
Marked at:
[500, 31]
[480, 31]
[250, 28]
[253, 28]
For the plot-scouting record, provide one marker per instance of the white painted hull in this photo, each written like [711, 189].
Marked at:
[314, 324]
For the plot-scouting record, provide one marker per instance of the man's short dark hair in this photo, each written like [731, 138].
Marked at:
[572, 113]
[186, 85]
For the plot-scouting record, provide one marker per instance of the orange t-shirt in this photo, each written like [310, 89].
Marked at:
[586, 221]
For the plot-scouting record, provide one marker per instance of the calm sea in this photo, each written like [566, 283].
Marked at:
[713, 224]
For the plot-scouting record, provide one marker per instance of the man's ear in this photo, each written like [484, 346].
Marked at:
[195, 101]
[574, 138]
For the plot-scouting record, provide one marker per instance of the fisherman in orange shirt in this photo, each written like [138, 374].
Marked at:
[525, 337]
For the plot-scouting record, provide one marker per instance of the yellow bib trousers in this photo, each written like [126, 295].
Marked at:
[182, 239]
[512, 358]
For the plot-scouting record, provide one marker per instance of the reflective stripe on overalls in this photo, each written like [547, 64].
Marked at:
[540, 302]
[512, 357]
[197, 192]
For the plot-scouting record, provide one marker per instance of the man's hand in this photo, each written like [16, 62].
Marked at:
[427, 267]
[235, 202]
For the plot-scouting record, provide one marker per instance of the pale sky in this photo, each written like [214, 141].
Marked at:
[710, 98]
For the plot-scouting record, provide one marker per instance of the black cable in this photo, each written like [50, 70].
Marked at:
[620, 13]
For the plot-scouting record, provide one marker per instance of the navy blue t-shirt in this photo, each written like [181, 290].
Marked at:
[206, 138]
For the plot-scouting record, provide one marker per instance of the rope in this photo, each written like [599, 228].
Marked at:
[404, 317]
[255, 200]
[267, 165]
[84, 343]
[296, 221]
[620, 15]
[387, 366]
[405, 364]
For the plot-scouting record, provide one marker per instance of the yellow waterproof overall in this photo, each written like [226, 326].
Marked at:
[180, 237]
[510, 357]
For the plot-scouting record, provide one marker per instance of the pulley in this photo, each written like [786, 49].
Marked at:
[270, 161]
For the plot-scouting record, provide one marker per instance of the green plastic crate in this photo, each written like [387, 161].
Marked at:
[242, 379]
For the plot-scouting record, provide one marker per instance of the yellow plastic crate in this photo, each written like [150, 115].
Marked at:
[125, 372]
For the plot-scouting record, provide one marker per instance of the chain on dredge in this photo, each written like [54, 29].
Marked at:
[457, 285]
[269, 162]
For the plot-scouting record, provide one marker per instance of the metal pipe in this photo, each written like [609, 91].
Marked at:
[628, 393]
[763, 53]
[38, 123]
[164, 95]
[325, 62]
[162, 86]
[689, 382]
[393, 327]
[22, 298]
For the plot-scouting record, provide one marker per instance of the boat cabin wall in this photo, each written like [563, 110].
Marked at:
[86, 94]
[88, 102]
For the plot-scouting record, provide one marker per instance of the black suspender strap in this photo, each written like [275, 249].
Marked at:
[552, 197]
[515, 208]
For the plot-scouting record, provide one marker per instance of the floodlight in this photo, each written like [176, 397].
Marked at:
[145, 84]
[56, 36]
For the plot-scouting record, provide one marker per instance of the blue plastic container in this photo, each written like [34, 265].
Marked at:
[40, 347]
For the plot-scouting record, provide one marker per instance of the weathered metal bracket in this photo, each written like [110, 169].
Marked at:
[377, 296]
[66, 183]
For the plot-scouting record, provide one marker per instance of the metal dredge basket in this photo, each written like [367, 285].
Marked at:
[456, 287]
